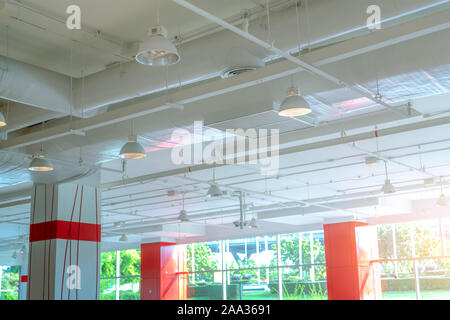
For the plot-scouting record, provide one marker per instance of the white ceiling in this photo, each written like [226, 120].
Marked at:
[314, 185]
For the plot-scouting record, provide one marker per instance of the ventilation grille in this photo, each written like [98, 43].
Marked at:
[235, 71]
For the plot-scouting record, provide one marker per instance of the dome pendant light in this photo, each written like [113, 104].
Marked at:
[2, 120]
[294, 105]
[132, 149]
[214, 190]
[183, 217]
[388, 187]
[158, 51]
[40, 163]
[253, 223]
[442, 201]
[123, 238]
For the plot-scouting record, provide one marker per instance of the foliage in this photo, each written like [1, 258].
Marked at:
[10, 281]
[426, 244]
[290, 255]
[202, 261]
[108, 264]
[130, 265]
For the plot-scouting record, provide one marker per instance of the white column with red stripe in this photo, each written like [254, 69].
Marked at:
[65, 235]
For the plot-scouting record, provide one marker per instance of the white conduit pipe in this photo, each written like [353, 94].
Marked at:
[286, 55]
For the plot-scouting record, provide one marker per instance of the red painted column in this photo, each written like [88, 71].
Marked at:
[64, 249]
[349, 247]
[162, 265]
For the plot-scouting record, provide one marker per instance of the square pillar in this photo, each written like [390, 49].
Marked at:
[64, 248]
[162, 267]
[349, 247]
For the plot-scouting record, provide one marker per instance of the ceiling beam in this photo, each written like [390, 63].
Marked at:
[346, 49]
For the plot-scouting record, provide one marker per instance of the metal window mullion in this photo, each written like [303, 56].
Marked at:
[441, 234]
[117, 275]
[224, 274]
[394, 248]
[311, 249]
[280, 283]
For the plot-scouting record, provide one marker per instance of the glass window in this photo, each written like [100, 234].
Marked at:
[130, 263]
[204, 256]
[205, 286]
[120, 281]
[427, 240]
[9, 283]
[107, 289]
[407, 268]
[250, 268]
[130, 289]
[397, 285]
[297, 287]
[108, 264]
[434, 275]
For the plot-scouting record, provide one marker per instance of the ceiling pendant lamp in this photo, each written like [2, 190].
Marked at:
[442, 201]
[2, 120]
[132, 149]
[158, 51]
[388, 187]
[294, 105]
[253, 223]
[123, 238]
[214, 191]
[183, 217]
[40, 163]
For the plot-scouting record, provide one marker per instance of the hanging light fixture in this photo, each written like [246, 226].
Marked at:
[183, 217]
[294, 105]
[442, 201]
[253, 223]
[2, 120]
[14, 255]
[388, 187]
[214, 190]
[40, 163]
[371, 161]
[123, 238]
[158, 51]
[132, 149]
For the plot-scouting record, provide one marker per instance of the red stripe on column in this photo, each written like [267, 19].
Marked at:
[64, 230]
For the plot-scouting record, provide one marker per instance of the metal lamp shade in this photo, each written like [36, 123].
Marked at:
[158, 51]
[294, 106]
[214, 191]
[132, 150]
[2, 120]
[40, 164]
[388, 187]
